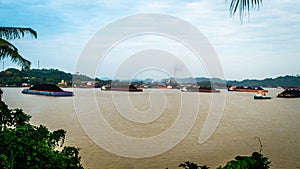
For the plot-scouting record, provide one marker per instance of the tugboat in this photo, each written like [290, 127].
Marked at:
[290, 93]
[46, 90]
[261, 95]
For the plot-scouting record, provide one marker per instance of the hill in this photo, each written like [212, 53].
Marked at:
[15, 77]
[281, 81]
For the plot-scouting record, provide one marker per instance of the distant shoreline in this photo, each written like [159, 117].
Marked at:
[17, 78]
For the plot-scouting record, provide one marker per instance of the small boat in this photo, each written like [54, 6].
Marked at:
[261, 95]
[47, 90]
[290, 93]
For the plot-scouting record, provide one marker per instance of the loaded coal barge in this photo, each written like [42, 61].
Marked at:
[47, 90]
[290, 93]
[129, 88]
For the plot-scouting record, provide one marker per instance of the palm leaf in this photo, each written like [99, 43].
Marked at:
[243, 6]
[8, 50]
[10, 33]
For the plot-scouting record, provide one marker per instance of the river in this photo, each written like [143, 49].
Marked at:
[276, 122]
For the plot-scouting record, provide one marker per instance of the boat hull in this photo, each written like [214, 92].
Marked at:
[47, 93]
[247, 89]
[208, 91]
[261, 97]
[123, 89]
[250, 90]
[202, 90]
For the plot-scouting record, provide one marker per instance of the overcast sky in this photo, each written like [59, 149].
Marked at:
[265, 45]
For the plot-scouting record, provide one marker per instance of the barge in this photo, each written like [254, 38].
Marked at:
[47, 90]
[129, 88]
[200, 89]
[247, 89]
[290, 93]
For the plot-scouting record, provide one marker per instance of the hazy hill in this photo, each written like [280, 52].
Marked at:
[15, 77]
[281, 81]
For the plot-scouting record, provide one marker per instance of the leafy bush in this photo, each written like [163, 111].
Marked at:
[255, 161]
[189, 165]
[23, 145]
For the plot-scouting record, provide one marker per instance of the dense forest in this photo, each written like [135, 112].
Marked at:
[17, 78]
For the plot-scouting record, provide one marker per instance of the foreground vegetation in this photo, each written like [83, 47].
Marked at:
[23, 145]
[255, 161]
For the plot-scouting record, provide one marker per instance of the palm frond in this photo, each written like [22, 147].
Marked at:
[8, 50]
[243, 6]
[10, 33]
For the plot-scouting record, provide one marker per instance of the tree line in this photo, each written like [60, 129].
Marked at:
[15, 77]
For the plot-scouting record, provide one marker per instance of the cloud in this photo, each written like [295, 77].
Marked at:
[64, 27]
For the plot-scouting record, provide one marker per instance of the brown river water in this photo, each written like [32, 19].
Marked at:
[276, 122]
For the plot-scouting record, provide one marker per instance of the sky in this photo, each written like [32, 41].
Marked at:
[265, 45]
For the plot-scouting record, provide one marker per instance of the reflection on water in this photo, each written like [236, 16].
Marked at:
[275, 121]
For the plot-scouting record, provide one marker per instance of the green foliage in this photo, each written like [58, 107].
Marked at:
[255, 161]
[8, 50]
[243, 6]
[11, 33]
[190, 165]
[23, 145]
[15, 77]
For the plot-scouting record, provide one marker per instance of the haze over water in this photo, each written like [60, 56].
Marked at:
[275, 122]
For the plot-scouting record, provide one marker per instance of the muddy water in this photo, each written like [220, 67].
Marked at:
[275, 122]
